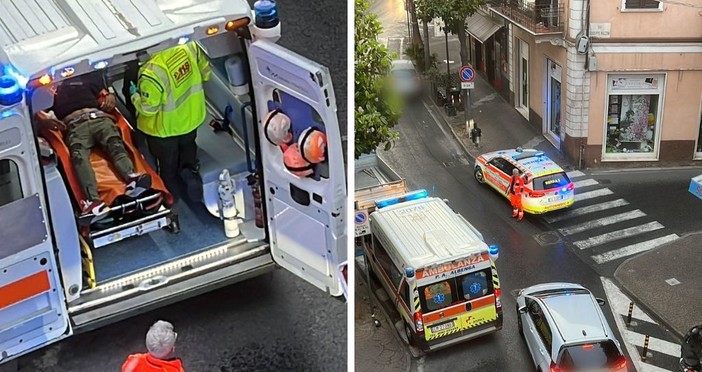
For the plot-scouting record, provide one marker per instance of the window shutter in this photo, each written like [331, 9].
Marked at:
[641, 4]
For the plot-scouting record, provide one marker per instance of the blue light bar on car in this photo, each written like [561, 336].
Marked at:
[419, 194]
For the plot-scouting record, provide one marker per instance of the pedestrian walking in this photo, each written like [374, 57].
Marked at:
[160, 342]
[169, 99]
[516, 187]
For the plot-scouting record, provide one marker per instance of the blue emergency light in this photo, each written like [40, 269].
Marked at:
[493, 249]
[419, 194]
[183, 40]
[266, 12]
[10, 91]
[409, 272]
[101, 64]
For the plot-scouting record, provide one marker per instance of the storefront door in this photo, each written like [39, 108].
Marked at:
[523, 79]
[552, 119]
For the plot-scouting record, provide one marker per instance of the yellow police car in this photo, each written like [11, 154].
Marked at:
[546, 185]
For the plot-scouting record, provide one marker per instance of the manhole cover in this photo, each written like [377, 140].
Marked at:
[548, 238]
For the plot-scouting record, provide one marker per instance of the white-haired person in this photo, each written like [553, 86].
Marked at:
[160, 342]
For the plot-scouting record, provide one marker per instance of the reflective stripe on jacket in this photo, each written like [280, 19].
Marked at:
[146, 363]
[171, 99]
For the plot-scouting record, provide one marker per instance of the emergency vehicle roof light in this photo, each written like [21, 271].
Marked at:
[237, 23]
[100, 65]
[493, 249]
[10, 91]
[419, 194]
[12, 72]
[68, 72]
[409, 272]
[183, 40]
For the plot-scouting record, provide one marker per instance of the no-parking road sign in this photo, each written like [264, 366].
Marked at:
[467, 74]
[360, 219]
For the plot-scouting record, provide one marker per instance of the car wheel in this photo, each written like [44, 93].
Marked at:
[479, 175]
[410, 335]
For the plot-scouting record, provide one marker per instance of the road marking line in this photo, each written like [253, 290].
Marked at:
[633, 249]
[615, 296]
[661, 346]
[585, 210]
[620, 304]
[586, 182]
[575, 174]
[602, 222]
[617, 235]
[592, 194]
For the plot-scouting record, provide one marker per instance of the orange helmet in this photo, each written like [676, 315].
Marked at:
[276, 128]
[295, 163]
[313, 144]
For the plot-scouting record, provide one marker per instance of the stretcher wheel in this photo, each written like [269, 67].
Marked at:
[174, 226]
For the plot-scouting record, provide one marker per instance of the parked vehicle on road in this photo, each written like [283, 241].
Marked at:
[565, 329]
[437, 269]
[546, 185]
[406, 80]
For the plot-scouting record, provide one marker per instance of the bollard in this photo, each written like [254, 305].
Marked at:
[628, 317]
[645, 349]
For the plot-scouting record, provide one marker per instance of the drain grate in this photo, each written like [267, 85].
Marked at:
[548, 238]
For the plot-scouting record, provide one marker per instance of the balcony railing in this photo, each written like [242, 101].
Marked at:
[539, 17]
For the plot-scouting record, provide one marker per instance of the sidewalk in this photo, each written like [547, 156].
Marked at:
[642, 276]
[377, 349]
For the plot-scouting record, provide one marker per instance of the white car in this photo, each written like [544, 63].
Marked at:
[405, 78]
[565, 329]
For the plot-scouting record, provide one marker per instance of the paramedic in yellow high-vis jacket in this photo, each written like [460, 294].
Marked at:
[170, 105]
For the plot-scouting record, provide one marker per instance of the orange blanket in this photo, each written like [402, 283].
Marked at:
[110, 184]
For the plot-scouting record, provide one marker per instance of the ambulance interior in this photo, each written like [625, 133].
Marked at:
[231, 145]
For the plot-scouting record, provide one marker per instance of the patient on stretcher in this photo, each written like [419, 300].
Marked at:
[81, 112]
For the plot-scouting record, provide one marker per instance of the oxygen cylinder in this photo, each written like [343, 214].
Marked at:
[227, 207]
[256, 192]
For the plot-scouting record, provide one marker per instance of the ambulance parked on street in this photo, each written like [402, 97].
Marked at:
[436, 269]
[57, 277]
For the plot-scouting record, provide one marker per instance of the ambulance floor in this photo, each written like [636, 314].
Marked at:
[198, 230]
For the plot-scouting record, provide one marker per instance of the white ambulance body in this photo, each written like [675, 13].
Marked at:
[54, 281]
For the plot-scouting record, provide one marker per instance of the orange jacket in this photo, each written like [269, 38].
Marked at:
[517, 185]
[146, 363]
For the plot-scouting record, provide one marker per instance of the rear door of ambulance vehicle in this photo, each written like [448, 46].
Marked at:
[32, 305]
[306, 216]
[453, 304]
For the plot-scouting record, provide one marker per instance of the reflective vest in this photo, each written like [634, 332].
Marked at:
[171, 99]
[146, 363]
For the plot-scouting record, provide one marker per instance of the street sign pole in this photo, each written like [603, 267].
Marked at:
[467, 76]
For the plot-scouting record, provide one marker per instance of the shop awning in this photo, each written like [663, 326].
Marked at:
[481, 27]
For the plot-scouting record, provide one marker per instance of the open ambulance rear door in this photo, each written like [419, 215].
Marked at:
[306, 215]
[32, 305]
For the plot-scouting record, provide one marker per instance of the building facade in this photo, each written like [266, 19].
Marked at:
[608, 82]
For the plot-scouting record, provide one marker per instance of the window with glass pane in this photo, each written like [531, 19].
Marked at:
[641, 4]
[631, 123]
[10, 186]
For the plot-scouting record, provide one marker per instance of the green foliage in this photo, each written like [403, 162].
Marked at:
[416, 54]
[452, 12]
[377, 107]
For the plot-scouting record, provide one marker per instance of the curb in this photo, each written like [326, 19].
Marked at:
[642, 304]
[432, 107]
[362, 276]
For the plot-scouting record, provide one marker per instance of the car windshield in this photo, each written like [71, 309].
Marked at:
[404, 73]
[552, 181]
[466, 287]
[601, 354]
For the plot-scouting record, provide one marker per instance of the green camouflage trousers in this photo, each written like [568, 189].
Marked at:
[83, 137]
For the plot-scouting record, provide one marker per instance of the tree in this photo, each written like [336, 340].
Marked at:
[416, 39]
[377, 107]
[420, 7]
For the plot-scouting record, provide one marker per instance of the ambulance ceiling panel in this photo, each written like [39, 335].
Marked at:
[36, 35]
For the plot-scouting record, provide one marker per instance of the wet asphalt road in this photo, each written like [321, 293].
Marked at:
[273, 322]
[429, 158]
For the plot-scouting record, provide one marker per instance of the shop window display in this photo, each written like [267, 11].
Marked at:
[631, 123]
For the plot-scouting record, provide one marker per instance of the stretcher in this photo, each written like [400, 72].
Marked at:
[128, 216]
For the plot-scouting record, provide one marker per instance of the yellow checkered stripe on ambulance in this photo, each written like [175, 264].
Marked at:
[415, 293]
[495, 278]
